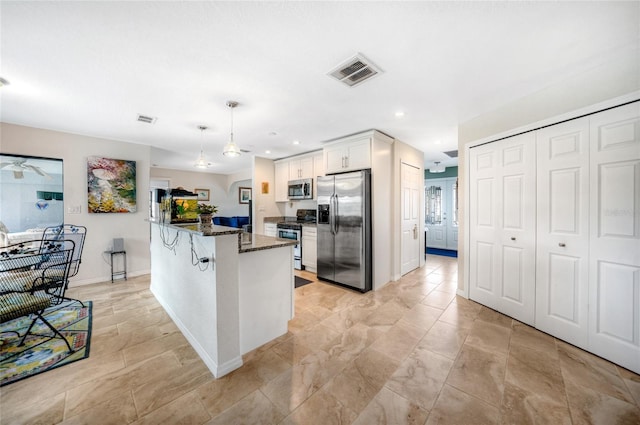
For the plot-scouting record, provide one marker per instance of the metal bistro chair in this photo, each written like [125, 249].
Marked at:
[68, 232]
[32, 280]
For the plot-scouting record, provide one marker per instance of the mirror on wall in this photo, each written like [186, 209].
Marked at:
[31, 195]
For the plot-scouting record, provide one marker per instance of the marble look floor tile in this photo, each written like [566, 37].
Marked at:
[321, 408]
[479, 373]
[489, 337]
[386, 315]
[585, 369]
[150, 396]
[389, 408]
[302, 321]
[353, 341]
[422, 316]
[362, 379]
[589, 406]
[187, 409]
[292, 351]
[527, 336]
[253, 409]
[399, 341]
[47, 411]
[456, 408]
[632, 380]
[460, 314]
[522, 407]
[119, 410]
[90, 394]
[438, 299]
[292, 387]
[344, 319]
[222, 393]
[153, 347]
[535, 371]
[316, 337]
[444, 339]
[491, 316]
[420, 377]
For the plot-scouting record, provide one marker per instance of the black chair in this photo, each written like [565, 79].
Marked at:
[68, 232]
[32, 280]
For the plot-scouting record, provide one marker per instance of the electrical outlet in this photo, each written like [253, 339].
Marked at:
[74, 209]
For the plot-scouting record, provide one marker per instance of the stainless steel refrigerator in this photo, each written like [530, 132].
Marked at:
[344, 229]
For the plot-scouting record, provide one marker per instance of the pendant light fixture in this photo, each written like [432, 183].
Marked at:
[201, 162]
[437, 168]
[231, 149]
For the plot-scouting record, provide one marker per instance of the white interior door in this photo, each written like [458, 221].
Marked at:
[411, 183]
[502, 232]
[563, 230]
[614, 265]
[441, 213]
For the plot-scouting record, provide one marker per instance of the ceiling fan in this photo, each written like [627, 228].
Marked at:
[19, 166]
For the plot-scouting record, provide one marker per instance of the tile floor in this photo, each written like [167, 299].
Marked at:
[411, 353]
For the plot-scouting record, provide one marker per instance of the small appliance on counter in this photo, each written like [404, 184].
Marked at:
[291, 228]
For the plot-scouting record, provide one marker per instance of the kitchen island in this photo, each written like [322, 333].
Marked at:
[227, 298]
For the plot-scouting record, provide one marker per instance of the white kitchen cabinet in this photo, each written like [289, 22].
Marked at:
[347, 155]
[310, 248]
[270, 229]
[281, 181]
[301, 168]
[586, 225]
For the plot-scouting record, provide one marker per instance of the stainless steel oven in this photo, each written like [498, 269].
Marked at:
[293, 232]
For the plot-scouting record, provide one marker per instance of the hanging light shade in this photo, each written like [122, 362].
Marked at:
[437, 168]
[231, 149]
[201, 162]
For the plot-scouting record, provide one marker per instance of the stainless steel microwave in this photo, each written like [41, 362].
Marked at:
[300, 189]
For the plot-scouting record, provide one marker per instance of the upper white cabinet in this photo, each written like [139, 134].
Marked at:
[347, 155]
[307, 166]
[301, 168]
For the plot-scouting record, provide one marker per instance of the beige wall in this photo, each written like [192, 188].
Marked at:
[101, 228]
[264, 204]
[600, 84]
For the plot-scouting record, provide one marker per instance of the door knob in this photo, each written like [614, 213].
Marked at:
[562, 245]
[512, 238]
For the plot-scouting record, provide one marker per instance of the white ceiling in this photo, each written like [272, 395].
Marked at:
[91, 67]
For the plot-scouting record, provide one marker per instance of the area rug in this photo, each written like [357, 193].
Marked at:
[40, 352]
[444, 252]
[300, 281]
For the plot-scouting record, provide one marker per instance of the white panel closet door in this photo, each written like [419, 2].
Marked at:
[614, 266]
[562, 251]
[502, 212]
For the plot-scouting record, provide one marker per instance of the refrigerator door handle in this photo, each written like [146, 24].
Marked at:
[332, 216]
[336, 214]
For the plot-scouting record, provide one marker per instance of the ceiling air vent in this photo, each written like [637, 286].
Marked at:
[451, 154]
[146, 119]
[355, 71]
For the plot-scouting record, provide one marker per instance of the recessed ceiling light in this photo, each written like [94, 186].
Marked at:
[296, 142]
[267, 152]
[400, 114]
[437, 142]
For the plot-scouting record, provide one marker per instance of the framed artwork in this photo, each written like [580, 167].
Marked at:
[203, 194]
[265, 188]
[244, 195]
[111, 185]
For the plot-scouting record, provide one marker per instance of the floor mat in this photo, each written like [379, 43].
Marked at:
[300, 281]
[40, 352]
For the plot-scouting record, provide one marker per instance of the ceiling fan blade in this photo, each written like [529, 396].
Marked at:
[4, 164]
[38, 170]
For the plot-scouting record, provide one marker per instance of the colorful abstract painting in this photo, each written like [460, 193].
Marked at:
[112, 185]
